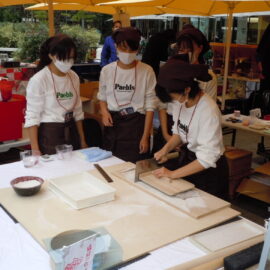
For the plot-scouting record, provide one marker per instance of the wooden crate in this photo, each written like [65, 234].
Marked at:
[239, 162]
[89, 89]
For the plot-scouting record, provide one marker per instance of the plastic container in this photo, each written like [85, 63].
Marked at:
[6, 89]
[12, 118]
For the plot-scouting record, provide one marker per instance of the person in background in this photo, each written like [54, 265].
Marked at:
[191, 45]
[54, 109]
[197, 128]
[127, 99]
[157, 49]
[108, 53]
[263, 59]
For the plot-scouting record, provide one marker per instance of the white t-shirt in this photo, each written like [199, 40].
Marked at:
[210, 87]
[123, 88]
[204, 133]
[42, 105]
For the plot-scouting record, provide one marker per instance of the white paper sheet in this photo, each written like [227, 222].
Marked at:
[18, 250]
[171, 255]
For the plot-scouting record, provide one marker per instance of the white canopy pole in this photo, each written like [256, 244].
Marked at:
[227, 52]
[51, 18]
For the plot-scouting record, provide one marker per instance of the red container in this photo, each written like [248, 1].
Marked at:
[6, 89]
[266, 117]
[12, 118]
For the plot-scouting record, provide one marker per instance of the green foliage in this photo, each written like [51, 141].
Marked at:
[12, 14]
[83, 38]
[9, 35]
[30, 41]
[41, 15]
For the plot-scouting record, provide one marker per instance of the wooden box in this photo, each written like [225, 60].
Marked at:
[89, 89]
[239, 160]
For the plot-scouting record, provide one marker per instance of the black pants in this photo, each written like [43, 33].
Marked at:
[212, 180]
[52, 134]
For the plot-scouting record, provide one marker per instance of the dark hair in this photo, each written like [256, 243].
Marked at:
[129, 34]
[164, 93]
[60, 45]
[190, 34]
[115, 22]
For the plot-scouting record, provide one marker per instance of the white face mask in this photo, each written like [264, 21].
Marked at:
[126, 58]
[64, 66]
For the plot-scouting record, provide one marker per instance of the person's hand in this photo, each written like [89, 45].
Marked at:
[162, 172]
[36, 152]
[84, 144]
[144, 145]
[107, 119]
[161, 156]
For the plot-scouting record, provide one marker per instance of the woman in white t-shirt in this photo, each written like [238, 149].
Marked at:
[190, 47]
[197, 128]
[127, 99]
[54, 110]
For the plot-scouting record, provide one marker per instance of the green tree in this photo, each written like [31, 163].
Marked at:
[31, 41]
[83, 38]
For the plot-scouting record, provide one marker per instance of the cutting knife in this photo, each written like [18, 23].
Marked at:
[151, 164]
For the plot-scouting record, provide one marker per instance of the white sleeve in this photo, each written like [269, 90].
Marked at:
[161, 105]
[210, 141]
[101, 95]
[35, 96]
[78, 112]
[210, 87]
[150, 96]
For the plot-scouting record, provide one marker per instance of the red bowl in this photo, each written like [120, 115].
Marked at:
[26, 191]
[266, 117]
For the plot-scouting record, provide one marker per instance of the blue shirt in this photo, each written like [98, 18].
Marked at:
[108, 53]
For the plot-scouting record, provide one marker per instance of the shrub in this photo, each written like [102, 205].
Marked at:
[83, 38]
[30, 42]
[9, 35]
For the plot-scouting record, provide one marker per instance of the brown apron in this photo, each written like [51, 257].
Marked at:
[211, 180]
[124, 137]
[52, 134]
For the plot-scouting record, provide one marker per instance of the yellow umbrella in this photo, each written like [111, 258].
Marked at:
[49, 4]
[187, 7]
[203, 8]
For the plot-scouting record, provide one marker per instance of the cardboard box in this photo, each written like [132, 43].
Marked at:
[239, 162]
[89, 89]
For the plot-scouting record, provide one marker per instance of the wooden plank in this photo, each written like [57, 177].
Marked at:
[166, 185]
[254, 190]
[196, 203]
[264, 169]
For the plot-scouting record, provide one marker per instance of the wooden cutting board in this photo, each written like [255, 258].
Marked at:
[165, 184]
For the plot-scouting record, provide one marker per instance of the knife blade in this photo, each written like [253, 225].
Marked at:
[151, 164]
[103, 173]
